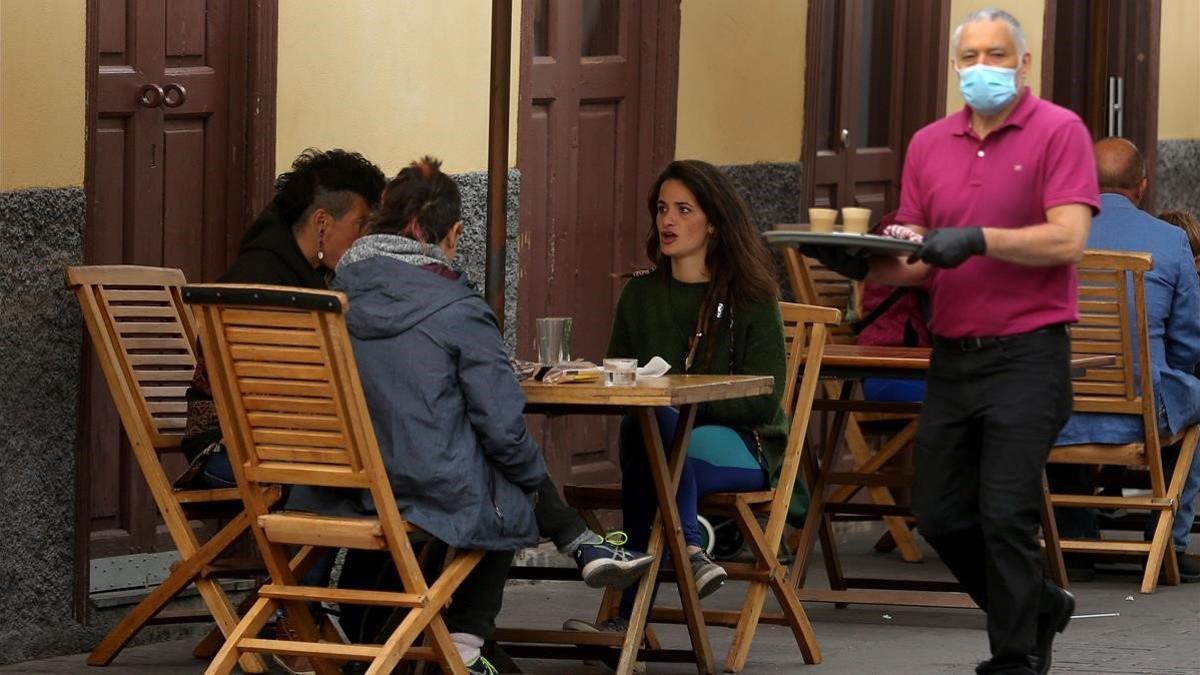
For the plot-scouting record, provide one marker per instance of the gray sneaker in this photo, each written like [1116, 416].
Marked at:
[614, 625]
[709, 575]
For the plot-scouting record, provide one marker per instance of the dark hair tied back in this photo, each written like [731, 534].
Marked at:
[421, 203]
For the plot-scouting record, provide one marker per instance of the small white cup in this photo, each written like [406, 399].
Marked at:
[821, 220]
[856, 220]
[620, 372]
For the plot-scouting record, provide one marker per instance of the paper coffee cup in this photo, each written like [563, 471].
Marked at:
[821, 220]
[856, 220]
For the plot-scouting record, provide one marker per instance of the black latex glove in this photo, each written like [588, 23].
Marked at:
[949, 247]
[851, 265]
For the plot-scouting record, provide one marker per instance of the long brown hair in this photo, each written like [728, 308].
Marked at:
[737, 258]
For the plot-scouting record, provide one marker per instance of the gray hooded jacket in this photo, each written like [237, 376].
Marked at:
[444, 402]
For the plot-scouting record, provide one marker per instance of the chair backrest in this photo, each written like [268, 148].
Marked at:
[806, 331]
[287, 388]
[1112, 322]
[144, 338]
[814, 284]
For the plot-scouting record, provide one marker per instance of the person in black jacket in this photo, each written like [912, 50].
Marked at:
[319, 209]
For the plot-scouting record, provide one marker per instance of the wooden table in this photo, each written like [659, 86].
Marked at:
[684, 392]
[851, 364]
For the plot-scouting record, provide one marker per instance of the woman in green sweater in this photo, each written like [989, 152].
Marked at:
[709, 305]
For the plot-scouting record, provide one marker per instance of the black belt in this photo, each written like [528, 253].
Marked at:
[972, 344]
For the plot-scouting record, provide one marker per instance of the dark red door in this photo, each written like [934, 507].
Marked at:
[871, 85]
[1103, 63]
[165, 187]
[596, 123]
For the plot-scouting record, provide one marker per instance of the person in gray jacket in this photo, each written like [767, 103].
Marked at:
[447, 412]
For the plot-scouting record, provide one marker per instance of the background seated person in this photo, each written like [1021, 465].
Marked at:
[893, 317]
[1173, 315]
[1186, 221]
[447, 412]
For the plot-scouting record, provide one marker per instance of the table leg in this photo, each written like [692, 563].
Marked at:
[816, 522]
[666, 483]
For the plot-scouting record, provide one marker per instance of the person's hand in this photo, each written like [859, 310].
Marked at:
[852, 265]
[950, 247]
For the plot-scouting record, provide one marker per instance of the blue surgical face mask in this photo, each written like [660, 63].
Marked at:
[987, 89]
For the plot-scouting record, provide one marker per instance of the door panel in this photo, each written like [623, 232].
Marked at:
[1098, 48]
[160, 194]
[864, 59]
[582, 118]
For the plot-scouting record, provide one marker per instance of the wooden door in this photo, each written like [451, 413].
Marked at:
[1101, 61]
[596, 122]
[169, 183]
[869, 87]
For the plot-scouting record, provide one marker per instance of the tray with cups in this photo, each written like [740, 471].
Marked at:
[855, 225]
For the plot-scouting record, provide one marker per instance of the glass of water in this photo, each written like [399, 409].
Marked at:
[620, 372]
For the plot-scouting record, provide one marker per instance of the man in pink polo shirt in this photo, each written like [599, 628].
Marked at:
[1005, 192]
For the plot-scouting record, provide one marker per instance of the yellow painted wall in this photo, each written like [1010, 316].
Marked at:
[1179, 70]
[42, 93]
[741, 80]
[1032, 16]
[393, 80]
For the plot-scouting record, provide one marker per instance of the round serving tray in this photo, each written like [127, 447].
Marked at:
[852, 242]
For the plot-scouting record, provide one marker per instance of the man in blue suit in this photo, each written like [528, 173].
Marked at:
[1173, 315]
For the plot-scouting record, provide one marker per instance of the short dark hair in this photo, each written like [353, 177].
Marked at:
[328, 179]
[421, 202]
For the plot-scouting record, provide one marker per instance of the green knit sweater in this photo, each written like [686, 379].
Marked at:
[656, 315]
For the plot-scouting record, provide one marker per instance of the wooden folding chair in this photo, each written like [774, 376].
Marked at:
[1112, 307]
[144, 339]
[292, 411]
[813, 284]
[806, 329]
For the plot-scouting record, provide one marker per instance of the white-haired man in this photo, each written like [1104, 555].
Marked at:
[1004, 191]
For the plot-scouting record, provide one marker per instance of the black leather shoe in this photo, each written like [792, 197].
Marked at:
[1189, 567]
[1053, 620]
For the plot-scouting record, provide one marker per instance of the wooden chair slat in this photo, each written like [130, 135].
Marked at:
[185, 359]
[147, 376]
[282, 371]
[142, 311]
[290, 404]
[1100, 389]
[160, 407]
[312, 530]
[271, 337]
[278, 420]
[158, 393]
[135, 344]
[291, 453]
[1093, 319]
[301, 439]
[124, 295]
[168, 329]
[285, 388]
[269, 320]
[252, 352]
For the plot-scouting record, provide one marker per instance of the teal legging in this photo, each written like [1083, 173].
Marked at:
[719, 459]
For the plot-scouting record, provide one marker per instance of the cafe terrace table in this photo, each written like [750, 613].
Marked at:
[684, 392]
[851, 364]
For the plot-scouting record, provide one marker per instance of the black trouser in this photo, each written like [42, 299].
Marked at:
[556, 521]
[991, 413]
[474, 607]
